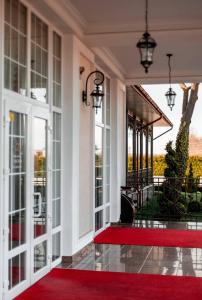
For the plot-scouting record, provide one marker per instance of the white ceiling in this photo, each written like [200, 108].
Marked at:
[176, 26]
[115, 26]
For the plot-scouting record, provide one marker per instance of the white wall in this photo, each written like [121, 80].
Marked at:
[77, 151]
[78, 148]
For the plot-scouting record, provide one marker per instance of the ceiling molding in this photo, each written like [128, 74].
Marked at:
[147, 79]
[96, 28]
[114, 60]
[109, 62]
[67, 14]
[75, 13]
[127, 38]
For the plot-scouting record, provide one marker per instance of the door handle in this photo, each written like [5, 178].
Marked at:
[39, 204]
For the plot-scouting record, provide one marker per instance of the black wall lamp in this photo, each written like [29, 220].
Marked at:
[146, 44]
[170, 94]
[97, 94]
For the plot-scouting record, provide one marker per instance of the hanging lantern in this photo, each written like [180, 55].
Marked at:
[170, 94]
[146, 45]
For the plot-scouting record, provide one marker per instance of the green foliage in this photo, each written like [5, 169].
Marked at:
[194, 206]
[171, 162]
[159, 165]
[182, 151]
[192, 183]
[171, 202]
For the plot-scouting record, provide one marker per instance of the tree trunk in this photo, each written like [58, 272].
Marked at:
[182, 141]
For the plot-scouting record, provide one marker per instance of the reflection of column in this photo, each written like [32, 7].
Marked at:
[170, 257]
[187, 262]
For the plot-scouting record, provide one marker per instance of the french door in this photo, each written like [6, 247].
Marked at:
[27, 193]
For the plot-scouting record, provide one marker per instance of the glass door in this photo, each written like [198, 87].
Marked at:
[41, 256]
[16, 195]
[27, 229]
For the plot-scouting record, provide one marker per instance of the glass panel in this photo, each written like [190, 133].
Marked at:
[7, 73]
[39, 60]
[130, 148]
[56, 45]
[14, 77]
[40, 256]
[144, 158]
[107, 101]
[98, 166]
[98, 196]
[56, 174]
[7, 10]
[22, 83]
[23, 50]
[15, 13]
[56, 70]
[138, 150]
[23, 19]
[7, 41]
[16, 269]
[107, 193]
[149, 151]
[98, 220]
[17, 179]
[107, 214]
[56, 213]
[56, 246]
[99, 115]
[15, 46]
[40, 177]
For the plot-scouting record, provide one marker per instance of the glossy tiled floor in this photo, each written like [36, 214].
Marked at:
[145, 259]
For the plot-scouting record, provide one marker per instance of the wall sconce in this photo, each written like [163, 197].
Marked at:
[146, 45]
[97, 94]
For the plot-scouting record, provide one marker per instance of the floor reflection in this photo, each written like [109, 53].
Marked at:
[145, 259]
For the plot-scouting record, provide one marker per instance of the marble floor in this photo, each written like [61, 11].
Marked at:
[144, 259]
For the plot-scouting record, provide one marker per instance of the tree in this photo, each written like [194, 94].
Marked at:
[171, 202]
[190, 96]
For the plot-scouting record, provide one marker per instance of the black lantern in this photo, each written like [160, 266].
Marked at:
[170, 94]
[97, 94]
[146, 45]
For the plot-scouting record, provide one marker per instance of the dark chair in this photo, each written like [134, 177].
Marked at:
[127, 209]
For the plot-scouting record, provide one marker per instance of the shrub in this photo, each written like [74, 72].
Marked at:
[194, 206]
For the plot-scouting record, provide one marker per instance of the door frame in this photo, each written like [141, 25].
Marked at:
[38, 112]
[24, 107]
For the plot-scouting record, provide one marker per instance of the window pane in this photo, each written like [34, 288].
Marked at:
[56, 70]
[56, 173]
[98, 220]
[39, 60]
[40, 256]
[16, 269]
[15, 46]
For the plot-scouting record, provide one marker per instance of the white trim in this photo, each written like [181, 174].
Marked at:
[84, 240]
[109, 62]
[66, 16]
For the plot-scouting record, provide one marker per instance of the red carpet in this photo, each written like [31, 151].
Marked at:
[63, 284]
[150, 237]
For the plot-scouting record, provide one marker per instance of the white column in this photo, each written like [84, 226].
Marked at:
[118, 146]
[70, 145]
[1, 142]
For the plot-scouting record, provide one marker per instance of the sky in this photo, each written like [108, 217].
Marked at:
[157, 93]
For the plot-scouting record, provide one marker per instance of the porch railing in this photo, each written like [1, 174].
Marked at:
[147, 194]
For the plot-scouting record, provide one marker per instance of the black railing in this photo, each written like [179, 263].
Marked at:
[139, 179]
[185, 201]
